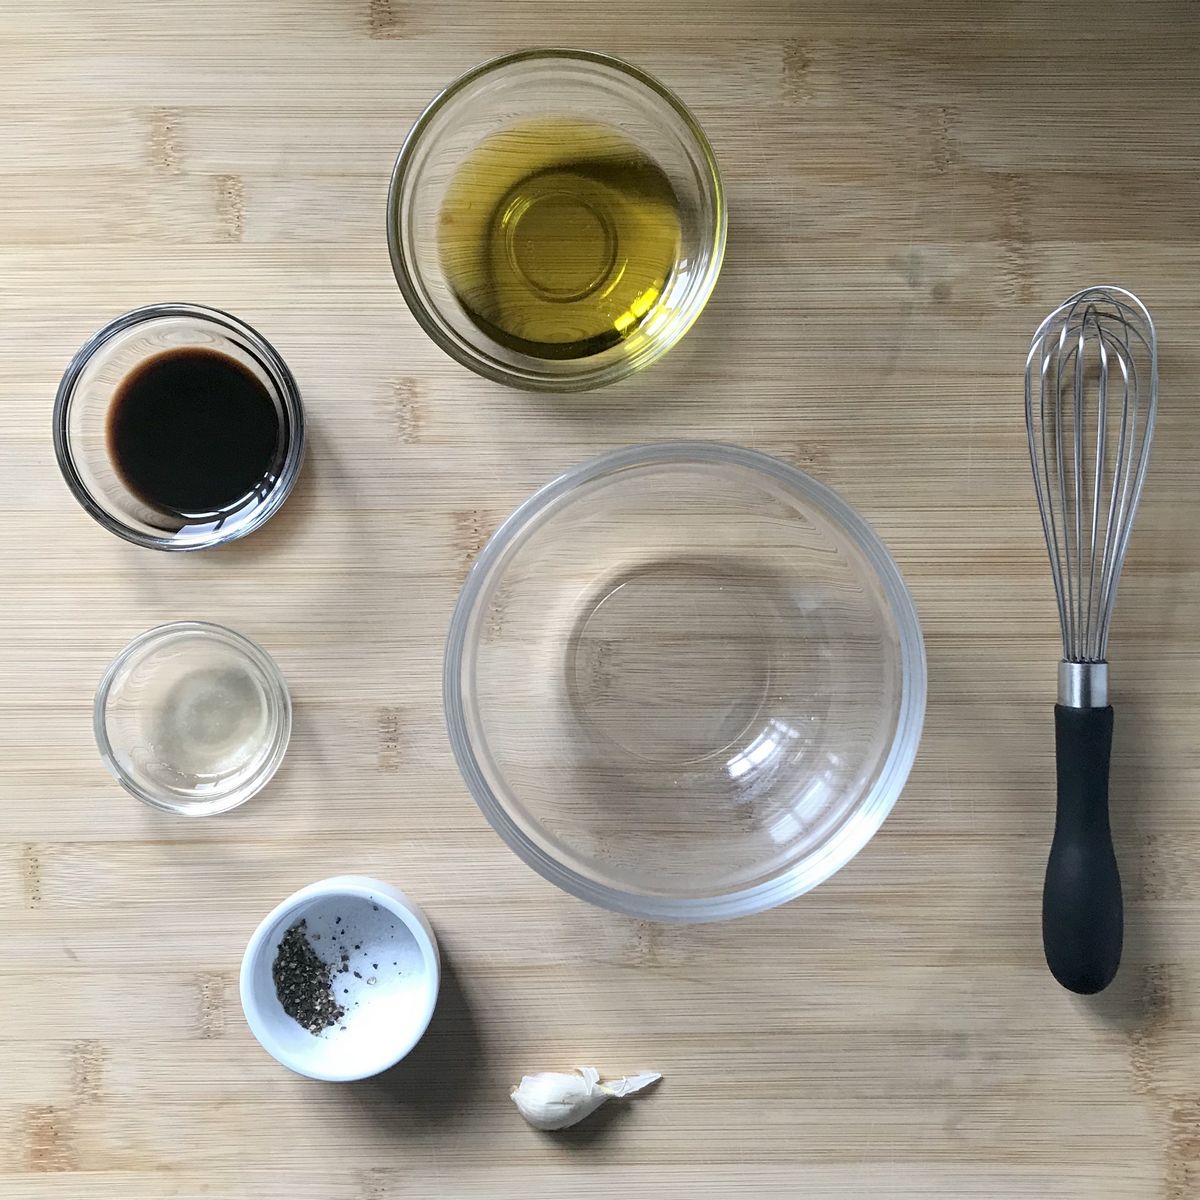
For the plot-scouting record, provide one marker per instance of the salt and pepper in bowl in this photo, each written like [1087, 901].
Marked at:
[339, 981]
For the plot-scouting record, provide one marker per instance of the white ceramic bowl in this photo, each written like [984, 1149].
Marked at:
[388, 1004]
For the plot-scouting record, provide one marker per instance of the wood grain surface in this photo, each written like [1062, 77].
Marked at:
[911, 187]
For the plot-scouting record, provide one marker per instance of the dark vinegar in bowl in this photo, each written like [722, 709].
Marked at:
[195, 434]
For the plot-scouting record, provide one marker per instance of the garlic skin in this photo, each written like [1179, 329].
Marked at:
[556, 1100]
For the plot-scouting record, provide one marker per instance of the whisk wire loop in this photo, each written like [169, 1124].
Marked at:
[1091, 393]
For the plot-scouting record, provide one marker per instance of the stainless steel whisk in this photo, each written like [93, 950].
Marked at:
[1091, 390]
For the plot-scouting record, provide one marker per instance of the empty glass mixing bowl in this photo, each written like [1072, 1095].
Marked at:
[685, 681]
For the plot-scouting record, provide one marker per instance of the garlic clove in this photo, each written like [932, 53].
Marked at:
[553, 1100]
[558, 1100]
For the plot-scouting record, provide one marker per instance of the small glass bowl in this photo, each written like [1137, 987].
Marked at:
[538, 84]
[82, 405]
[685, 681]
[192, 718]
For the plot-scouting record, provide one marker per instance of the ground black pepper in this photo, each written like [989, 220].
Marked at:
[302, 982]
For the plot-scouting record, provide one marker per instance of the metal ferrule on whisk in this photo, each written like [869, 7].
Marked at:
[1083, 684]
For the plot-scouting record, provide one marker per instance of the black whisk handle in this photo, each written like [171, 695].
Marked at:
[1082, 911]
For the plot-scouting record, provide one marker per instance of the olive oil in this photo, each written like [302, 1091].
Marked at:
[559, 238]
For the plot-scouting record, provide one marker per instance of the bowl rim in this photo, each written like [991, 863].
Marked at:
[361, 887]
[847, 840]
[209, 629]
[290, 397]
[407, 277]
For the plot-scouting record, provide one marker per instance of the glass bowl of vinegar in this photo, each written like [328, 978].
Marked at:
[192, 718]
[556, 220]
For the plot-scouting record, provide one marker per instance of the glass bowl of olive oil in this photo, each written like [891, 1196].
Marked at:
[556, 220]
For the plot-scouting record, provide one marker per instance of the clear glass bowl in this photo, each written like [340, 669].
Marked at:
[85, 395]
[553, 83]
[685, 681]
[193, 718]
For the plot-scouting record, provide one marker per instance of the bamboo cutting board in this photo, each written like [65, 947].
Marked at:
[912, 186]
